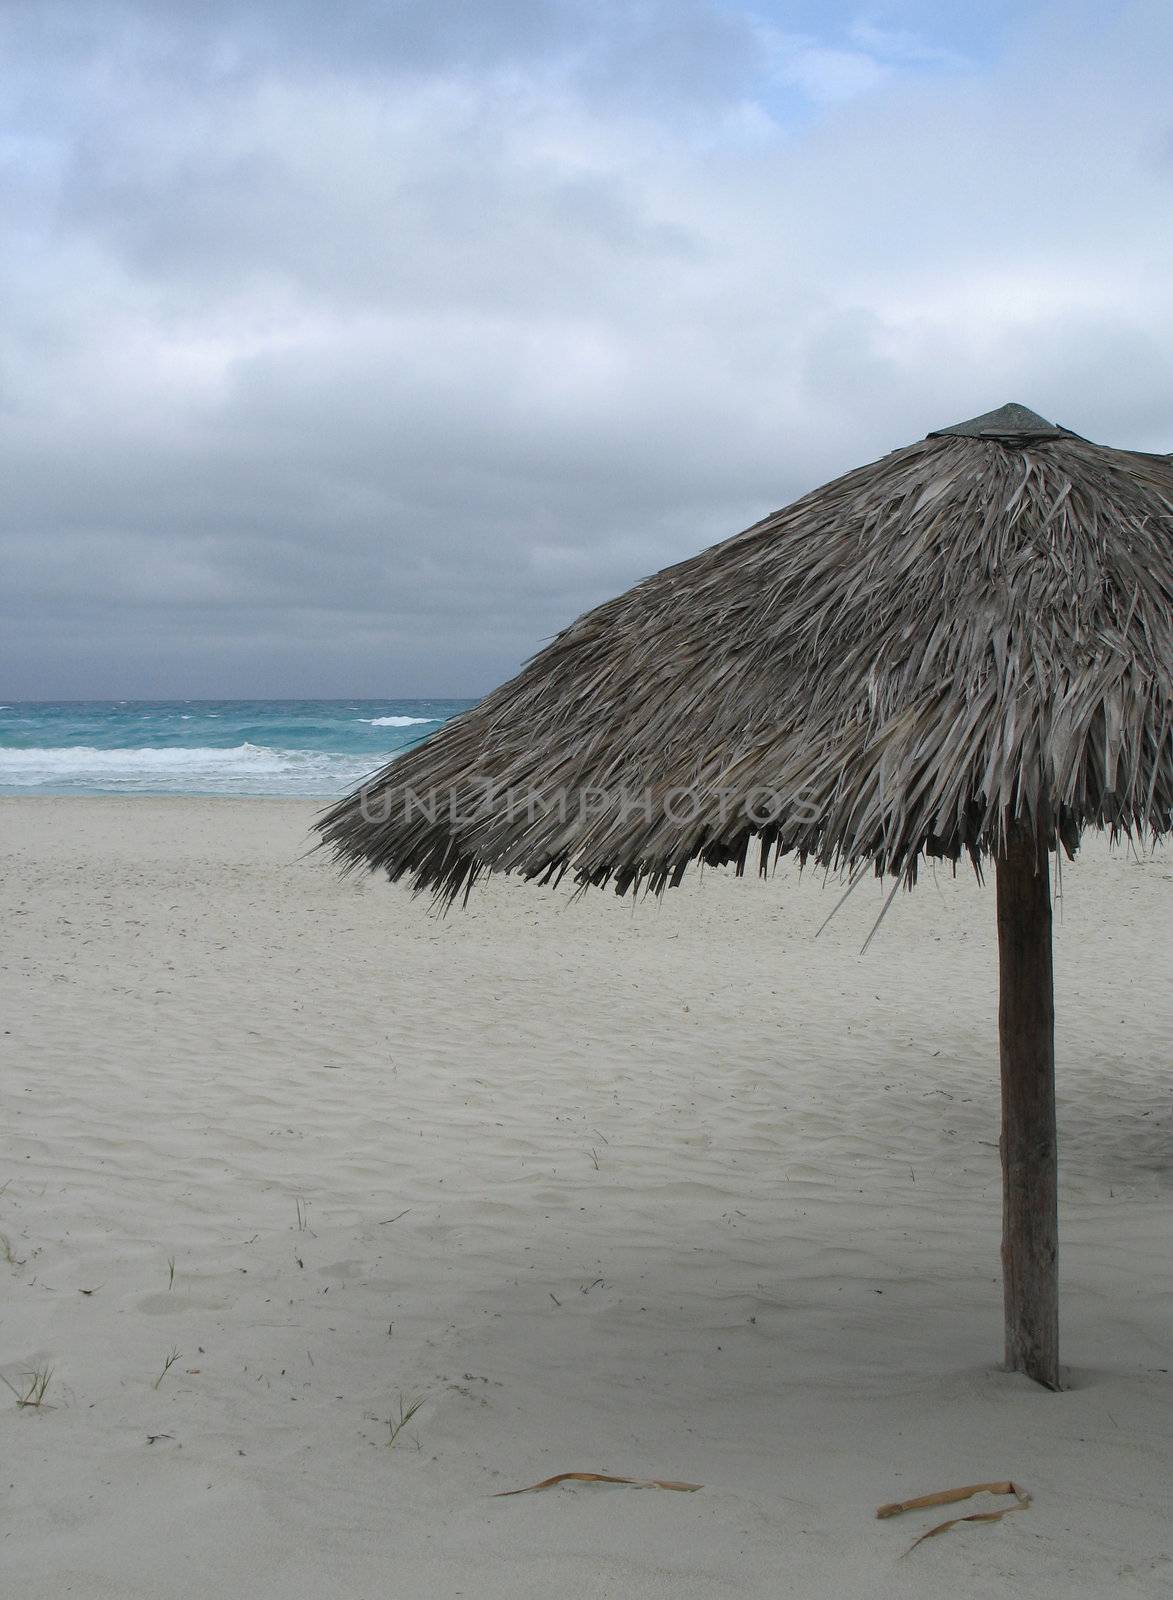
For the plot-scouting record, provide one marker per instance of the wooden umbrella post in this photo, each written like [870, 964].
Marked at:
[1026, 1039]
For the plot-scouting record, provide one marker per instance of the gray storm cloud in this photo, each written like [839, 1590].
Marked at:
[357, 349]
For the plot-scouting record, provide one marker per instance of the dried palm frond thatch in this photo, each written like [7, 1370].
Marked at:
[966, 647]
[975, 630]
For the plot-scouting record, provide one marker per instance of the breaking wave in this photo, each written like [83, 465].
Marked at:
[193, 769]
[396, 722]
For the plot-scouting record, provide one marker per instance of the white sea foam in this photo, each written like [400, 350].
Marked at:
[240, 769]
[396, 722]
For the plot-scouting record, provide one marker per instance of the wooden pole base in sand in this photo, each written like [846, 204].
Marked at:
[1026, 1040]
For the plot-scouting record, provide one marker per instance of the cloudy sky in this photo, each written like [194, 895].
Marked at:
[354, 348]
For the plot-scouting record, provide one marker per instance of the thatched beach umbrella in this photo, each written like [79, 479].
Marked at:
[965, 648]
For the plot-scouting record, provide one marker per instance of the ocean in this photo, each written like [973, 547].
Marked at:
[313, 748]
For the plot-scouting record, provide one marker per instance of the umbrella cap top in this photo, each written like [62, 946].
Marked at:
[1008, 422]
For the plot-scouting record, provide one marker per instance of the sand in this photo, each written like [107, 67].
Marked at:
[673, 1191]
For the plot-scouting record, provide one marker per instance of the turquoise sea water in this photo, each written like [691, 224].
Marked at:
[315, 748]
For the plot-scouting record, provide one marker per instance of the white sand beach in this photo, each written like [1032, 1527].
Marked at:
[669, 1191]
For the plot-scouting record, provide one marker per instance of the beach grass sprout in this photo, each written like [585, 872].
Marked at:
[167, 1365]
[407, 1410]
[31, 1389]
